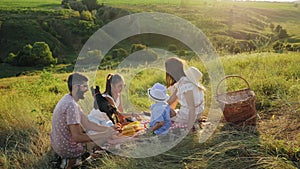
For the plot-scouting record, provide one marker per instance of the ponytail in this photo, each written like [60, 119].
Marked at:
[108, 84]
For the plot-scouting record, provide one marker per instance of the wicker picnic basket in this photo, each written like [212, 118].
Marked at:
[238, 106]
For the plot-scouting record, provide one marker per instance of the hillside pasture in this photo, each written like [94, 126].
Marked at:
[27, 103]
[44, 4]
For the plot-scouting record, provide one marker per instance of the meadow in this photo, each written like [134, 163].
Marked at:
[27, 101]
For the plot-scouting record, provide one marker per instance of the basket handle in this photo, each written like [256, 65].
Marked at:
[231, 76]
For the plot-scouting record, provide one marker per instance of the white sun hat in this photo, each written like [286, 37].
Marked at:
[194, 75]
[158, 92]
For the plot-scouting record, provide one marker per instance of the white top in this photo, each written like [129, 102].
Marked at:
[99, 117]
[185, 85]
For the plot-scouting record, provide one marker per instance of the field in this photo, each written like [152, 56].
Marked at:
[25, 122]
[27, 101]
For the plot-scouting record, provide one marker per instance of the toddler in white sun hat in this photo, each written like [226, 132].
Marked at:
[160, 121]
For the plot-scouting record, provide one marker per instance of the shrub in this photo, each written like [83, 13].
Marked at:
[86, 15]
[182, 53]
[278, 46]
[172, 47]
[38, 54]
[11, 59]
[41, 52]
[137, 47]
[91, 4]
[91, 57]
[272, 26]
[282, 34]
[296, 47]
[25, 57]
[119, 53]
[77, 6]
[278, 28]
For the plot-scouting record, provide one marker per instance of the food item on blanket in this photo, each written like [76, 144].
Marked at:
[133, 123]
[138, 129]
[128, 132]
[131, 128]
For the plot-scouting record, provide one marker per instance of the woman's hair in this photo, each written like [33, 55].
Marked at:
[174, 70]
[112, 79]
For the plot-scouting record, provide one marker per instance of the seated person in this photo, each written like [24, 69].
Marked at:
[160, 121]
[112, 94]
[69, 123]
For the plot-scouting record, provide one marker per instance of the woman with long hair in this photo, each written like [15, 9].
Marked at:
[186, 90]
[112, 95]
[114, 86]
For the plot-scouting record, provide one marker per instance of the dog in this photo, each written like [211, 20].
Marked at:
[105, 106]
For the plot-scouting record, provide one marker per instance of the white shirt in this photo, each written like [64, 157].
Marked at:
[185, 85]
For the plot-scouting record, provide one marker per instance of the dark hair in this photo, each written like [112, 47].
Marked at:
[112, 79]
[174, 70]
[76, 78]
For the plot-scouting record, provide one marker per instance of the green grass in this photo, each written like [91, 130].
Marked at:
[27, 103]
[46, 4]
[234, 20]
[228, 23]
[135, 2]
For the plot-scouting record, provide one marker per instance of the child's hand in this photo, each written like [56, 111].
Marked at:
[150, 132]
[118, 127]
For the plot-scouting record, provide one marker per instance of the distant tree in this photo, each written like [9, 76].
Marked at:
[251, 46]
[272, 26]
[11, 59]
[137, 47]
[66, 3]
[25, 58]
[86, 15]
[182, 53]
[91, 4]
[288, 47]
[296, 47]
[278, 28]
[77, 6]
[38, 54]
[42, 53]
[282, 34]
[278, 46]
[119, 53]
[172, 47]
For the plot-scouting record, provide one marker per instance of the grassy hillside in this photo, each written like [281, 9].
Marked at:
[235, 22]
[27, 103]
[232, 27]
[46, 4]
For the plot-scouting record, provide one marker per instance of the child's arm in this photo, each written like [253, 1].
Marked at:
[156, 126]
